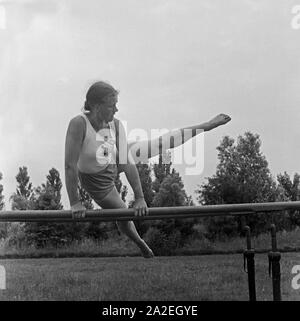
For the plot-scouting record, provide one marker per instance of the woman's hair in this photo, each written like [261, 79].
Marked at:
[96, 94]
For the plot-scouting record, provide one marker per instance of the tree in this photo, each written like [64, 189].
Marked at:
[161, 170]
[291, 188]
[172, 193]
[146, 182]
[164, 236]
[169, 192]
[3, 226]
[25, 186]
[1, 195]
[48, 197]
[291, 192]
[23, 198]
[167, 189]
[54, 183]
[242, 176]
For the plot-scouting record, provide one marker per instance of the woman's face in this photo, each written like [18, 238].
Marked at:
[108, 108]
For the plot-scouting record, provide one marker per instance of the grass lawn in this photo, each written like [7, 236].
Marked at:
[211, 277]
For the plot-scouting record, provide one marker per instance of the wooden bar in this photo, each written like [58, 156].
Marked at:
[154, 212]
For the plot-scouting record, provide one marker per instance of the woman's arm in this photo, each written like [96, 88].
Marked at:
[127, 165]
[133, 178]
[74, 139]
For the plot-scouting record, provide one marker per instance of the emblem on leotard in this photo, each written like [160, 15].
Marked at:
[105, 151]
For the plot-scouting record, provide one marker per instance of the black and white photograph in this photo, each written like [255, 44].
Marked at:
[149, 152]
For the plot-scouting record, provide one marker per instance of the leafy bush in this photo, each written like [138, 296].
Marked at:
[161, 243]
[3, 230]
[199, 231]
[15, 235]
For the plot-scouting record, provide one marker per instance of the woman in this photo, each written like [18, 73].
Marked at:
[90, 153]
[92, 142]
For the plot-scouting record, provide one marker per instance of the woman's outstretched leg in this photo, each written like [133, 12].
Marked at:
[113, 200]
[143, 150]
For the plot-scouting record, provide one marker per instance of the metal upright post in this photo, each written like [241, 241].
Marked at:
[249, 265]
[274, 266]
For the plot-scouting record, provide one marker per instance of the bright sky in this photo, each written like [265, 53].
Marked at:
[175, 62]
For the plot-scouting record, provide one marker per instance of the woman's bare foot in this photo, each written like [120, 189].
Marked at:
[145, 250]
[219, 120]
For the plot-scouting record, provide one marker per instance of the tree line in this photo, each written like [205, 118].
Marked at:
[242, 176]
